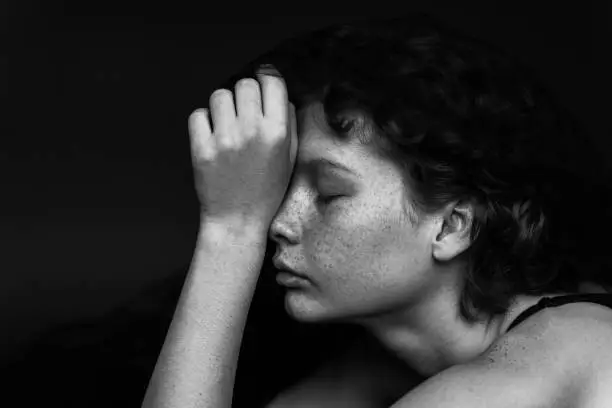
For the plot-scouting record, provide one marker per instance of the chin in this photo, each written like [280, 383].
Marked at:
[303, 308]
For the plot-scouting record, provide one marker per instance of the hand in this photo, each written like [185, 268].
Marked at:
[243, 163]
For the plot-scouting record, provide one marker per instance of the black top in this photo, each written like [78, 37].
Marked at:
[601, 298]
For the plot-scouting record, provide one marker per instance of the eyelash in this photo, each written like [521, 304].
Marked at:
[326, 199]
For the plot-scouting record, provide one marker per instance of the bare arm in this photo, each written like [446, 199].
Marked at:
[197, 364]
[242, 168]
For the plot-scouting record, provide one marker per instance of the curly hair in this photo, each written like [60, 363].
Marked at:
[464, 121]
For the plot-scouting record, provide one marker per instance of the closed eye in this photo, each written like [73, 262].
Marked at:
[326, 199]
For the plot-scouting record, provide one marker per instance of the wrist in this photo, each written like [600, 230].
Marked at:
[235, 230]
[240, 247]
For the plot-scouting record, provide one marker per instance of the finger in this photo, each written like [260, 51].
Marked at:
[202, 142]
[275, 102]
[222, 111]
[248, 100]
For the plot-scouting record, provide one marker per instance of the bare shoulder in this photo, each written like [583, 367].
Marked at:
[588, 330]
[556, 358]
[364, 376]
[571, 343]
[582, 328]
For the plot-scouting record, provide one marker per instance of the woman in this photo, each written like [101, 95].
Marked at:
[420, 185]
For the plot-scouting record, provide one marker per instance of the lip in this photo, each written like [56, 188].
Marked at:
[284, 268]
[291, 280]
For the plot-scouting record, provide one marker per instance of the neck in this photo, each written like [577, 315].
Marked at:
[430, 335]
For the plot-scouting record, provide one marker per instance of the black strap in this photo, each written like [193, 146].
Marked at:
[601, 298]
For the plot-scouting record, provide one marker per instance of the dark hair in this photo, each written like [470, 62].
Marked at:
[465, 122]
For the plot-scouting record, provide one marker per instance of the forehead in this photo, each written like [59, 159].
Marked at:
[318, 144]
[317, 139]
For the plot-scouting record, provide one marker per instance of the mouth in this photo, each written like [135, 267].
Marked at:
[290, 279]
[283, 268]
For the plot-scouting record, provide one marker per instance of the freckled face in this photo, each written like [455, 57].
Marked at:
[359, 250]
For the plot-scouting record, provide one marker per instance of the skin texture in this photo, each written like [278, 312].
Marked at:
[368, 263]
[360, 252]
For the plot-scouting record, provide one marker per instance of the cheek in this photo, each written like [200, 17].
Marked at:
[328, 246]
[368, 248]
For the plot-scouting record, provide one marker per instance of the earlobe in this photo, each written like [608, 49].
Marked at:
[453, 237]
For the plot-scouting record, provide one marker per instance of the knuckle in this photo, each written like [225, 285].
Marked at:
[225, 143]
[275, 129]
[250, 129]
[207, 153]
[202, 150]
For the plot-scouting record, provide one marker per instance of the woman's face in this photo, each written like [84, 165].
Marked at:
[361, 254]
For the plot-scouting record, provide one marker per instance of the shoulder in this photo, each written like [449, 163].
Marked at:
[567, 334]
[568, 344]
[556, 357]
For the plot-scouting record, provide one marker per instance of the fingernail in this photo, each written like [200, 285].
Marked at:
[267, 69]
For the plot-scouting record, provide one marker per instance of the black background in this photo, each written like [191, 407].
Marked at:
[97, 188]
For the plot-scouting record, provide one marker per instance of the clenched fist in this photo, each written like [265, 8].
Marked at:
[243, 161]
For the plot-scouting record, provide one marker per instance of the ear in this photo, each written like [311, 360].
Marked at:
[453, 235]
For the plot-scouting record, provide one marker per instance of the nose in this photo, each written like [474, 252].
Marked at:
[280, 232]
[284, 227]
[288, 221]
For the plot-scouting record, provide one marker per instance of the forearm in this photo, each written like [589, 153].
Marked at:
[197, 364]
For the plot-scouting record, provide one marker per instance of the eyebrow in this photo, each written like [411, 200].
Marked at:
[322, 161]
